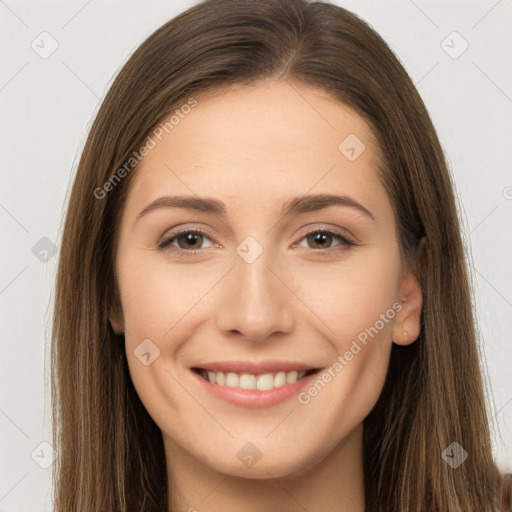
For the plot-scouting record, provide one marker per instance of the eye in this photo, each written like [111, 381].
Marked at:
[322, 237]
[185, 239]
[190, 241]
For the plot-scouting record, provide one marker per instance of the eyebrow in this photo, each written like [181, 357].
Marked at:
[296, 205]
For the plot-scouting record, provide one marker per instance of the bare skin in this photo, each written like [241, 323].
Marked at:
[303, 299]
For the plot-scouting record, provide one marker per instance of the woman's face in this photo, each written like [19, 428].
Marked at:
[271, 291]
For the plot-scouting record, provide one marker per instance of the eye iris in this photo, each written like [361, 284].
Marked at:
[319, 237]
[190, 238]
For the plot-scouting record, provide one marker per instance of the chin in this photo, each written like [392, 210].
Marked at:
[247, 461]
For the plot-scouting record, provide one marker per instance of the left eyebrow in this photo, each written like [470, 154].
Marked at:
[315, 202]
[294, 205]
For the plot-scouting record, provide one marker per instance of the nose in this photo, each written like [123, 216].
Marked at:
[257, 300]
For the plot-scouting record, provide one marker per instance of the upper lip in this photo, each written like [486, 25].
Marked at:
[255, 367]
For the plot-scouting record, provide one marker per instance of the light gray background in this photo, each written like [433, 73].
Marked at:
[47, 106]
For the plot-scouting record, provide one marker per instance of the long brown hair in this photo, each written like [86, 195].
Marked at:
[110, 451]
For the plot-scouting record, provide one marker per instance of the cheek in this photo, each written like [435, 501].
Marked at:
[354, 300]
[157, 296]
[161, 307]
[355, 304]
[351, 297]
[347, 297]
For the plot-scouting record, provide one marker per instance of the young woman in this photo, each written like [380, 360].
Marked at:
[262, 299]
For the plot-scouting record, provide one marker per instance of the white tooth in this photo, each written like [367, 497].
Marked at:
[247, 381]
[232, 380]
[291, 377]
[220, 379]
[265, 382]
[280, 380]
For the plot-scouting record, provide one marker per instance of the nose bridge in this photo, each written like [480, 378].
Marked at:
[256, 303]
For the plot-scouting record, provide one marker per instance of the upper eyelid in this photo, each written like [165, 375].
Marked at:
[322, 228]
[180, 232]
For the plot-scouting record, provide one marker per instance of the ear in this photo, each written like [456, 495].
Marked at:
[116, 316]
[407, 325]
[117, 323]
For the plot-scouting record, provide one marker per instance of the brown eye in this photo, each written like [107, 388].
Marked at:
[188, 241]
[191, 241]
[321, 241]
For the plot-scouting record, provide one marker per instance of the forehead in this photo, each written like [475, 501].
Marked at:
[262, 143]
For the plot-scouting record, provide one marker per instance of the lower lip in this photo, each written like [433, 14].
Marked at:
[254, 399]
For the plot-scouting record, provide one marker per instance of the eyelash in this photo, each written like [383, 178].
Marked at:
[164, 243]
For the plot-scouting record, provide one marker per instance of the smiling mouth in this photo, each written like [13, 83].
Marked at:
[251, 381]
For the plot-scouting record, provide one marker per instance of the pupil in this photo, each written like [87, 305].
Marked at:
[319, 237]
[189, 238]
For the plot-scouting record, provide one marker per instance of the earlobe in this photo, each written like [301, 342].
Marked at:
[116, 325]
[407, 326]
[116, 317]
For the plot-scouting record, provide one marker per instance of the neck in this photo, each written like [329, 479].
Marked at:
[335, 484]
